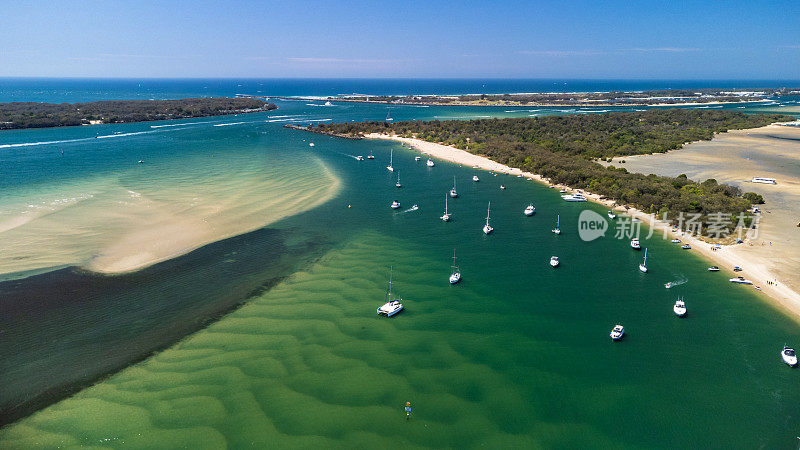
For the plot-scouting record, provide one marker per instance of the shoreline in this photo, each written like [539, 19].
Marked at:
[784, 298]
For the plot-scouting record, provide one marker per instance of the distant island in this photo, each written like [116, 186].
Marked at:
[18, 115]
[564, 150]
[667, 97]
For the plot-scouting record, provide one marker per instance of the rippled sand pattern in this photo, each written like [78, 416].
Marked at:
[309, 364]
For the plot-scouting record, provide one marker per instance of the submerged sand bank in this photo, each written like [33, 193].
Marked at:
[111, 225]
[763, 263]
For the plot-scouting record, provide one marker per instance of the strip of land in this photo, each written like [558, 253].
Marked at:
[19, 115]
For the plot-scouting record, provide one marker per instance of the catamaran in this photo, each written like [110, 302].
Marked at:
[391, 158]
[455, 276]
[488, 228]
[446, 216]
[557, 229]
[643, 265]
[453, 192]
[398, 181]
[530, 210]
[392, 306]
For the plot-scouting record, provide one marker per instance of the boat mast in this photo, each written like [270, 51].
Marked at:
[645, 257]
[487, 213]
[389, 292]
[445, 204]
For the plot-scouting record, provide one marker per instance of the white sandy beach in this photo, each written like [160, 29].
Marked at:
[762, 262]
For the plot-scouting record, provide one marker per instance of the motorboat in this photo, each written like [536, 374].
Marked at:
[530, 210]
[574, 198]
[475, 178]
[562, 191]
[740, 280]
[395, 204]
[414, 207]
[430, 163]
[453, 192]
[370, 156]
[392, 306]
[617, 332]
[763, 180]
[737, 269]
[311, 144]
[359, 158]
[328, 104]
[554, 261]
[676, 241]
[446, 216]
[686, 247]
[611, 215]
[668, 285]
[679, 308]
[417, 158]
[390, 168]
[643, 265]
[635, 244]
[713, 269]
[488, 228]
[557, 229]
[502, 186]
[455, 275]
[789, 356]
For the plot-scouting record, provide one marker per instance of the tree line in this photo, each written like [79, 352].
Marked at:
[16, 115]
[565, 149]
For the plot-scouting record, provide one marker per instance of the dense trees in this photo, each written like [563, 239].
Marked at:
[563, 149]
[40, 115]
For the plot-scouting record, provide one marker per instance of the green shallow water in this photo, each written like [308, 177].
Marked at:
[515, 356]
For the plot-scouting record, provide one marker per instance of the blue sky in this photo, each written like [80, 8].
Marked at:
[425, 39]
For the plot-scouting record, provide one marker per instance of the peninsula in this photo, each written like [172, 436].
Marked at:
[18, 115]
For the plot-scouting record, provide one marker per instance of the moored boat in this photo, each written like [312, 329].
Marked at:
[488, 228]
[455, 275]
[740, 280]
[679, 308]
[789, 357]
[554, 261]
[713, 269]
[392, 306]
[475, 178]
[395, 204]
[430, 163]
[617, 332]
[635, 244]
[530, 210]
[557, 229]
[574, 198]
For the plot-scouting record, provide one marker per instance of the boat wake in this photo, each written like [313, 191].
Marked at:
[413, 208]
[678, 282]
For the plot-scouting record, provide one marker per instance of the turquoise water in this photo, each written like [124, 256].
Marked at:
[516, 355]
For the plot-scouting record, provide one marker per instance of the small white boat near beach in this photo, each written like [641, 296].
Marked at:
[417, 158]
[617, 332]
[611, 215]
[475, 178]
[574, 197]
[430, 163]
[370, 156]
[789, 356]
[740, 280]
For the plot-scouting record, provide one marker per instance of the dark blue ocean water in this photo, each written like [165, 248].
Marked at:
[81, 89]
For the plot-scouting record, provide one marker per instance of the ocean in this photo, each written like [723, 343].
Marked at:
[269, 335]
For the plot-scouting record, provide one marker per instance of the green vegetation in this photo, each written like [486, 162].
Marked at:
[754, 198]
[17, 115]
[563, 149]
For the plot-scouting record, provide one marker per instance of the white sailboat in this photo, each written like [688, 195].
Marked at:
[392, 306]
[643, 265]
[388, 119]
[488, 228]
[398, 185]
[455, 276]
[446, 216]
[391, 159]
[453, 192]
[557, 229]
[370, 156]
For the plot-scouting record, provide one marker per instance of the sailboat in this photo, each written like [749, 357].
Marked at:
[455, 276]
[488, 228]
[398, 181]
[391, 158]
[371, 156]
[446, 215]
[557, 229]
[392, 306]
[453, 192]
[388, 119]
[643, 265]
